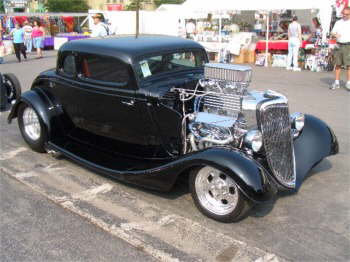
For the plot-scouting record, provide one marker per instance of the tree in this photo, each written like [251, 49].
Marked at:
[2, 9]
[157, 3]
[161, 2]
[133, 5]
[67, 6]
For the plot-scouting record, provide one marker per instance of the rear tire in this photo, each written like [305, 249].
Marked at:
[13, 87]
[217, 195]
[32, 128]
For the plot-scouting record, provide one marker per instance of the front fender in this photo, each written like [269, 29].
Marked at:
[252, 179]
[316, 142]
[41, 105]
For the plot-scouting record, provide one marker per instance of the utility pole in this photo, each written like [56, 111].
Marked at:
[137, 18]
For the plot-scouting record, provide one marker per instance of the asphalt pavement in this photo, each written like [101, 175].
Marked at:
[312, 225]
[36, 229]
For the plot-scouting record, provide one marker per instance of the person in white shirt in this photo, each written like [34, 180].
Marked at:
[100, 29]
[28, 41]
[294, 43]
[341, 31]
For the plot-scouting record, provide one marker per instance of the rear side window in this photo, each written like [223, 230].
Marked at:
[102, 68]
[69, 66]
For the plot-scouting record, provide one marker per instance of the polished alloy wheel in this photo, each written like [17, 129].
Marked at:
[216, 191]
[31, 123]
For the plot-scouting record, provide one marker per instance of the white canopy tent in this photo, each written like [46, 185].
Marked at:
[182, 12]
[221, 6]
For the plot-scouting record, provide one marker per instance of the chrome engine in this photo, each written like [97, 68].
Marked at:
[226, 113]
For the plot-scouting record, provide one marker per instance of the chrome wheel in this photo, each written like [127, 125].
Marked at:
[31, 123]
[216, 191]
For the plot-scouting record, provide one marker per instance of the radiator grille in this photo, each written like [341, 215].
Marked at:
[276, 130]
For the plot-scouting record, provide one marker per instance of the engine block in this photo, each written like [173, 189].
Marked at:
[217, 105]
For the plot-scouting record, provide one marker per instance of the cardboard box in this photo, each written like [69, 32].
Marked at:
[239, 59]
[249, 56]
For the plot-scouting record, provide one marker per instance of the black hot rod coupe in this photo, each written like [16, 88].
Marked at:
[149, 109]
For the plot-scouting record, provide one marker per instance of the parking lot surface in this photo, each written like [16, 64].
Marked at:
[312, 225]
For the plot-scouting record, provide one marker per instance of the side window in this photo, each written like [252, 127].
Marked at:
[106, 69]
[69, 67]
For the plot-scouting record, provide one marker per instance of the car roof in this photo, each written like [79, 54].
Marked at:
[130, 48]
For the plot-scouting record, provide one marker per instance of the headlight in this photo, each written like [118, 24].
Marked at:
[298, 121]
[253, 140]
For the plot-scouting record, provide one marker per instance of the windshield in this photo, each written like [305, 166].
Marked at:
[170, 62]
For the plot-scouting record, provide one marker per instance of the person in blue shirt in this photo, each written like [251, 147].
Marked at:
[18, 42]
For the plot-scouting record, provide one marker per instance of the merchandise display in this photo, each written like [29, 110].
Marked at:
[53, 24]
[321, 60]
[279, 60]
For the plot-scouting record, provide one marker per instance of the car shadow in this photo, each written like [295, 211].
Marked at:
[181, 188]
[327, 80]
[261, 210]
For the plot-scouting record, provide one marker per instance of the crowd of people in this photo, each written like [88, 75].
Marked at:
[25, 36]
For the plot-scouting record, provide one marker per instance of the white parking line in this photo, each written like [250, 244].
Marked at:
[92, 192]
[182, 234]
[121, 233]
[23, 175]
[13, 153]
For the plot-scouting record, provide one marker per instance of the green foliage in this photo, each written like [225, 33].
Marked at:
[67, 6]
[2, 9]
[161, 2]
[133, 5]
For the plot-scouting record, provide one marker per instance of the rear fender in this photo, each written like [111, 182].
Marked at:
[41, 105]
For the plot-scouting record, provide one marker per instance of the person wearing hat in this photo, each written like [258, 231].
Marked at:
[100, 29]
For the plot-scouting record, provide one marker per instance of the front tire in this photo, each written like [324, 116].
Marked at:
[32, 128]
[217, 195]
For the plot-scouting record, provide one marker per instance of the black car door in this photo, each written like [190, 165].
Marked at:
[101, 99]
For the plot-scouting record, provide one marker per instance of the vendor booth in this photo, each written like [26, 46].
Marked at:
[271, 22]
[59, 27]
[150, 22]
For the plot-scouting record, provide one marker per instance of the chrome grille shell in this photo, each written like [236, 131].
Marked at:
[274, 122]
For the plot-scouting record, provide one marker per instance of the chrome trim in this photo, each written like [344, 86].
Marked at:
[278, 100]
[295, 117]
[216, 191]
[249, 139]
[228, 72]
[249, 108]
[31, 124]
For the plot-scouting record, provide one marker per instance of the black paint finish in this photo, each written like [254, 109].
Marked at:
[316, 142]
[161, 175]
[130, 48]
[134, 134]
